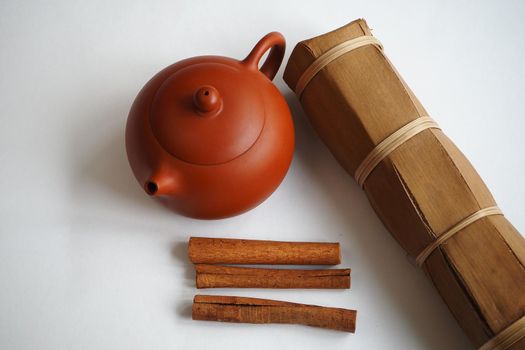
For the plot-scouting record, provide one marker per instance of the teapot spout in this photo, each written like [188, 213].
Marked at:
[161, 183]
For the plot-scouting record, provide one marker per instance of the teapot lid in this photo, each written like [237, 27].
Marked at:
[212, 111]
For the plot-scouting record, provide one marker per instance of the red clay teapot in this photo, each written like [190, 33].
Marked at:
[212, 136]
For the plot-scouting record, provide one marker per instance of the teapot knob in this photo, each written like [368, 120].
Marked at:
[207, 99]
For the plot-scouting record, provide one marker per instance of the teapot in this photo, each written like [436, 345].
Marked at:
[210, 136]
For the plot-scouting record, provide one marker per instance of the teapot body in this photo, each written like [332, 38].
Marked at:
[228, 165]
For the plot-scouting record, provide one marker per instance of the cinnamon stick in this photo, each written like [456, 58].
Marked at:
[242, 251]
[252, 310]
[213, 276]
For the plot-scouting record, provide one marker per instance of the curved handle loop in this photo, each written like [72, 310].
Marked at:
[274, 41]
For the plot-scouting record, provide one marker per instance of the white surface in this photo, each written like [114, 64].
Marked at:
[88, 261]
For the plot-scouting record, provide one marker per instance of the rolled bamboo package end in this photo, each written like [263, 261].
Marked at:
[253, 310]
[203, 250]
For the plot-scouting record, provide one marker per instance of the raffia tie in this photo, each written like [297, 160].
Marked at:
[516, 331]
[507, 337]
[425, 253]
[388, 145]
[331, 55]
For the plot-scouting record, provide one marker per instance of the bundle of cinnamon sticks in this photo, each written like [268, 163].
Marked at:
[208, 253]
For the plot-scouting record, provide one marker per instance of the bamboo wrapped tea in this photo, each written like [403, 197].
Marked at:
[421, 186]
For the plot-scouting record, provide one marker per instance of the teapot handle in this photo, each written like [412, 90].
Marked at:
[274, 41]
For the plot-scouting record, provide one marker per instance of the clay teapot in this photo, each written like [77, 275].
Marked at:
[212, 136]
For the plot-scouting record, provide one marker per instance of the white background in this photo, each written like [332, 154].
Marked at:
[88, 261]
